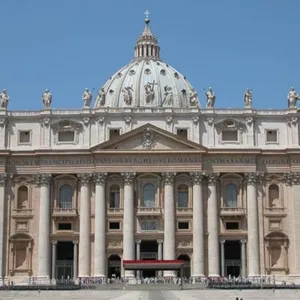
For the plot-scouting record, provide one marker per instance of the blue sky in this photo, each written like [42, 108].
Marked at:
[67, 45]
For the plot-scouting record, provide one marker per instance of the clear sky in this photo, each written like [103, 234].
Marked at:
[68, 45]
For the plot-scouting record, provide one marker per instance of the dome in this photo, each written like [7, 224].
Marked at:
[147, 81]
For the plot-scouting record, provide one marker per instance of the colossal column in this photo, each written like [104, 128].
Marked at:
[3, 177]
[84, 226]
[169, 221]
[128, 220]
[44, 257]
[252, 214]
[198, 229]
[100, 219]
[213, 227]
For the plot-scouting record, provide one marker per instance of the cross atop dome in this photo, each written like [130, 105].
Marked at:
[147, 13]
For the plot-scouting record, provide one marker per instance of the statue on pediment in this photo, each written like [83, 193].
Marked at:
[4, 99]
[193, 96]
[87, 98]
[149, 92]
[101, 97]
[127, 94]
[292, 97]
[47, 99]
[168, 96]
[210, 98]
[248, 98]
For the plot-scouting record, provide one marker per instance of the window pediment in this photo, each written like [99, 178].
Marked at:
[66, 131]
[66, 125]
[230, 124]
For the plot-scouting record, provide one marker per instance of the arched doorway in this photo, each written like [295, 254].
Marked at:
[187, 265]
[114, 266]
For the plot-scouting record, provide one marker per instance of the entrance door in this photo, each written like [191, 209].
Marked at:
[232, 258]
[65, 260]
[233, 271]
[148, 252]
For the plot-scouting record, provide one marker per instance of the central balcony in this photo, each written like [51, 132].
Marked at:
[64, 212]
[22, 213]
[232, 211]
[275, 212]
[184, 211]
[148, 211]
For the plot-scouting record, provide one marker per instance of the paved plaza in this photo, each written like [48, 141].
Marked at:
[153, 295]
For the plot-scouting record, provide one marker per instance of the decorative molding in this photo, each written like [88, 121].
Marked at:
[45, 122]
[254, 178]
[197, 177]
[148, 140]
[100, 178]
[195, 120]
[291, 121]
[292, 178]
[212, 178]
[2, 122]
[169, 177]
[84, 178]
[169, 119]
[249, 121]
[128, 177]
[210, 121]
[3, 178]
[230, 124]
[127, 120]
[42, 179]
[86, 121]
[100, 119]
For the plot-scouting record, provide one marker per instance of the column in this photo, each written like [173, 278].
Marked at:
[222, 243]
[213, 226]
[128, 221]
[160, 254]
[100, 228]
[243, 258]
[53, 272]
[252, 214]
[44, 258]
[3, 177]
[198, 229]
[75, 261]
[84, 226]
[169, 221]
[138, 256]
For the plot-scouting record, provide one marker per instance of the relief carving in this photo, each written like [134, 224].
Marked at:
[115, 244]
[3, 178]
[148, 140]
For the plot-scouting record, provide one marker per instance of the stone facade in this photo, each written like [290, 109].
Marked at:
[82, 189]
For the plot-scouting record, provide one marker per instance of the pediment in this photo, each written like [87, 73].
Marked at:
[149, 137]
[230, 124]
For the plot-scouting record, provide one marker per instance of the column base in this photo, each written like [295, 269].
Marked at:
[43, 280]
[129, 274]
[198, 275]
[170, 274]
[214, 275]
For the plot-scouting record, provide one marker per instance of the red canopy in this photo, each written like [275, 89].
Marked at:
[153, 264]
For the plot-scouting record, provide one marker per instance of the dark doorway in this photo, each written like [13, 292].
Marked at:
[186, 267]
[233, 264]
[64, 260]
[114, 266]
[149, 251]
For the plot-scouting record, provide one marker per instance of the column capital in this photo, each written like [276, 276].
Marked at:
[84, 178]
[169, 177]
[254, 178]
[243, 241]
[222, 241]
[100, 178]
[212, 178]
[291, 178]
[128, 177]
[54, 242]
[138, 242]
[3, 178]
[160, 241]
[42, 179]
[197, 177]
[75, 242]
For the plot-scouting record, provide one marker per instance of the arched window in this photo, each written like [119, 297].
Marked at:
[114, 197]
[183, 196]
[22, 201]
[148, 195]
[231, 195]
[274, 195]
[65, 196]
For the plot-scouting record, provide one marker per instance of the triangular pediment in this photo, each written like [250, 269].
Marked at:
[149, 137]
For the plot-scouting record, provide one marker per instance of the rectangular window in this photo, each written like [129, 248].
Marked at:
[149, 225]
[229, 136]
[66, 136]
[271, 136]
[24, 137]
[64, 226]
[183, 225]
[232, 225]
[114, 200]
[182, 133]
[113, 133]
[114, 225]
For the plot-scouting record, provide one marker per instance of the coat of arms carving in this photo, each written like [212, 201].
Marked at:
[148, 139]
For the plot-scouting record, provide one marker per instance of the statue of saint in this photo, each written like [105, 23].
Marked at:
[168, 96]
[248, 98]
[47, 99]
[127, 94]
[149, 92]
[210, 98]
[4, 99]
[101, 97]
[292, 97]
[193, 98]
[87, 98]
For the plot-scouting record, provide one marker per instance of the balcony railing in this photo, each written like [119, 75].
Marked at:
[151, 211]
[22, 213]
[64, 212]
[275, 211]
[114, 211]
[233, 211]
[184, 211]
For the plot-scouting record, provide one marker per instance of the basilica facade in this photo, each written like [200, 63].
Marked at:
[146, 173]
